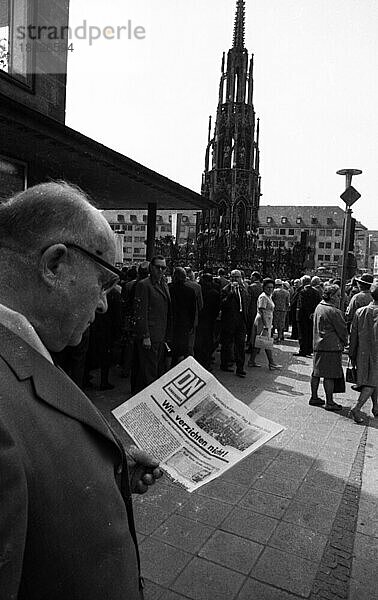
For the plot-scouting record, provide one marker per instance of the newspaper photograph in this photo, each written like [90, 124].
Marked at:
[193, 425]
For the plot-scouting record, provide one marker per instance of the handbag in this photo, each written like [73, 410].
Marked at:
[263, 341]
[351, 373]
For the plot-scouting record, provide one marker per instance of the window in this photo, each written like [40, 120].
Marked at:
[320, 257]
[269, 219]
[268, 231]
[159, 219]
[329, 220]
[282, 231]
[136, 250]
[184, 219]
[144, 218]
[337, 232]
[128, 238]
[261, 230]
[140, 228]
[327, 257]
[314, 220]
[337, 245]
[133, 218]
[283, 220]
[298, 220]
[321, 244]
[15, 51]
[121, 218]
[328, 245]
[12, 177]
[322, 232]
[128, 250]
[291, 231]
[336, 257]
[128, 228]
[276, 232]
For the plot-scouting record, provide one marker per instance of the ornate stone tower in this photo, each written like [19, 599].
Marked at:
[232, 179]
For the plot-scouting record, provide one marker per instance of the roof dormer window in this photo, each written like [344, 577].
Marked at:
[269, 219]
[298, 220]
[283, 220]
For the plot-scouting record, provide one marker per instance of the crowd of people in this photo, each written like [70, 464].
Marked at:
[162, 320]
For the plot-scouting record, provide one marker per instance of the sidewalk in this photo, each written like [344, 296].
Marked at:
[282, 524]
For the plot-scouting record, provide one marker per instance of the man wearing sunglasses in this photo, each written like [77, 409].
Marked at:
[152, 323]
[66, 521]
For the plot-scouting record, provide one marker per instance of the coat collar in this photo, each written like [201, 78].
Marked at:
[51, 384]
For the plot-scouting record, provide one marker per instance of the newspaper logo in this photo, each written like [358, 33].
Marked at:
[184, 386]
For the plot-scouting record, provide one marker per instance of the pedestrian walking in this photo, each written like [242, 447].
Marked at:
[363, 352]
[263, 324]
[330, 336]
[281, 300]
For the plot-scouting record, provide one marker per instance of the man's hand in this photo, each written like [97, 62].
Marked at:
[147, 343]
[143, 470]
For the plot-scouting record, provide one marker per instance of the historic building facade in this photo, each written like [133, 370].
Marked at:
[174, 232]
[231, 178]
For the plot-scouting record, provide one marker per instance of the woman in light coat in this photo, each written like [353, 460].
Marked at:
[363, 352]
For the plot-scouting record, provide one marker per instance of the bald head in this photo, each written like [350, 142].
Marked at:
[50, 213]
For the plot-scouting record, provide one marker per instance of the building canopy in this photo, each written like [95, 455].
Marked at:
[52, 150]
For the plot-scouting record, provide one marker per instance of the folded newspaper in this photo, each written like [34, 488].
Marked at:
[193, 425]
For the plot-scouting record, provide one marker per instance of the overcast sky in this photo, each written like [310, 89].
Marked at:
[316, 90]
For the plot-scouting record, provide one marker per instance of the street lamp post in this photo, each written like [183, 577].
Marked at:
[349, 196]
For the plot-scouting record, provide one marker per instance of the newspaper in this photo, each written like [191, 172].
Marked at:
[193, 425]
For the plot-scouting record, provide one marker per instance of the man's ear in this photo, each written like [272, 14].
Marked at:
[52, 262]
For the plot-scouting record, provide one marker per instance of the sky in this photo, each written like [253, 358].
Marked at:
[149, 93]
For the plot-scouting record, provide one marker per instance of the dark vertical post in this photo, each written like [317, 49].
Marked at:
[151, 229]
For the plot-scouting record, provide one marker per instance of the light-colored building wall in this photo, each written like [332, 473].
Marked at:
[132, 226]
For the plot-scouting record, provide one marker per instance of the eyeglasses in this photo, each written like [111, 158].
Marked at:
[100, 261]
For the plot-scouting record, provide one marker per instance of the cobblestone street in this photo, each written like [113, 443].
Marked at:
[297, 519]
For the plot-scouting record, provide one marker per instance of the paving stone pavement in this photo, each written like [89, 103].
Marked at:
[296, 519]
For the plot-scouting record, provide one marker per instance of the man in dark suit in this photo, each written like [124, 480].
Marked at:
[66, 520]
[184, 306]
[234, 305]
[152, 322]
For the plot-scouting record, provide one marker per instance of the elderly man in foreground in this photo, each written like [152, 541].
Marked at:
[66, 521]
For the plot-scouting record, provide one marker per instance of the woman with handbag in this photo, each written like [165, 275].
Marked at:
[330, 336]
[363, 353]
[261, 336]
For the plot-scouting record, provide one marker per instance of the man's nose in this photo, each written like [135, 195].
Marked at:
[102, 305]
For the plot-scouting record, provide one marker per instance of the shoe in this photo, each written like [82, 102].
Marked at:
[241, 373]
[333, 407]
[253, 364]
[316, 402]
[356, 416]
[274, 367]
[227, 369]
[106, 386]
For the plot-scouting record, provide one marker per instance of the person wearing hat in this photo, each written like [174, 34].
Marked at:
[281, 299]
[363, 298]
[234, 305]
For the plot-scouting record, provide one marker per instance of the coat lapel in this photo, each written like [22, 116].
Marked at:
[51, 384]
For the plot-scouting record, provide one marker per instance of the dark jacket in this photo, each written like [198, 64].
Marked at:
[308, 299]
[330, 330]
[152, 309]
[66, 524]
[184, 306]
[230, 303]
